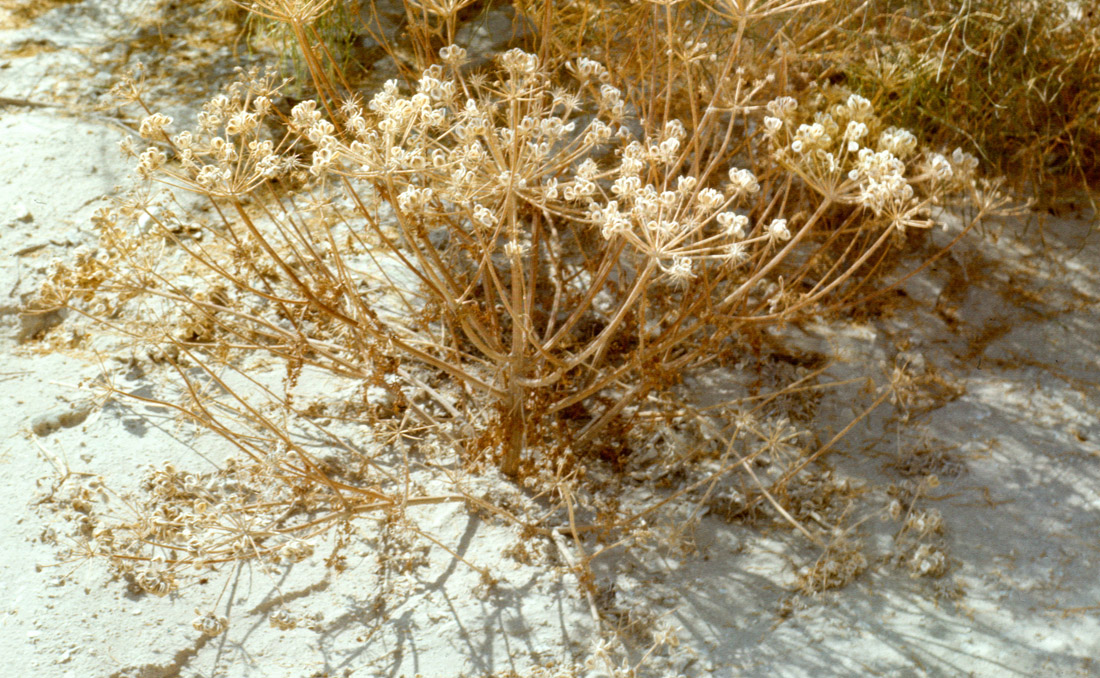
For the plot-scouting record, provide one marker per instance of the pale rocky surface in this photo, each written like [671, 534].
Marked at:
[1005, 331]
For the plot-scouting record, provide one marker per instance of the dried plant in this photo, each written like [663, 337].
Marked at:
[554, 266]
[514, 266]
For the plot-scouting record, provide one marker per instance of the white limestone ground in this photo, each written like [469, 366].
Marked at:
[1004, 334]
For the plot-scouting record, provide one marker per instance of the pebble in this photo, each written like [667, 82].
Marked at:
[20, 213]
[45, 424]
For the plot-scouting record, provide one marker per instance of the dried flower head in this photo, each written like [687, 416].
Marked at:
[152, 126]
[210, 623]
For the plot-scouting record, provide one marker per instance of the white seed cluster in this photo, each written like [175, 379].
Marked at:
[210, 623]
[478, 150]
[295, 550]
[842, 150]
[228, 155]
[927, 561]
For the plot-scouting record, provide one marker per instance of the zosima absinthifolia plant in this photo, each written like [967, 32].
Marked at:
[515, 269]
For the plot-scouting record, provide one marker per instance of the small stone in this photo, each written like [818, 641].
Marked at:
[45, 424]
[22, 213]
